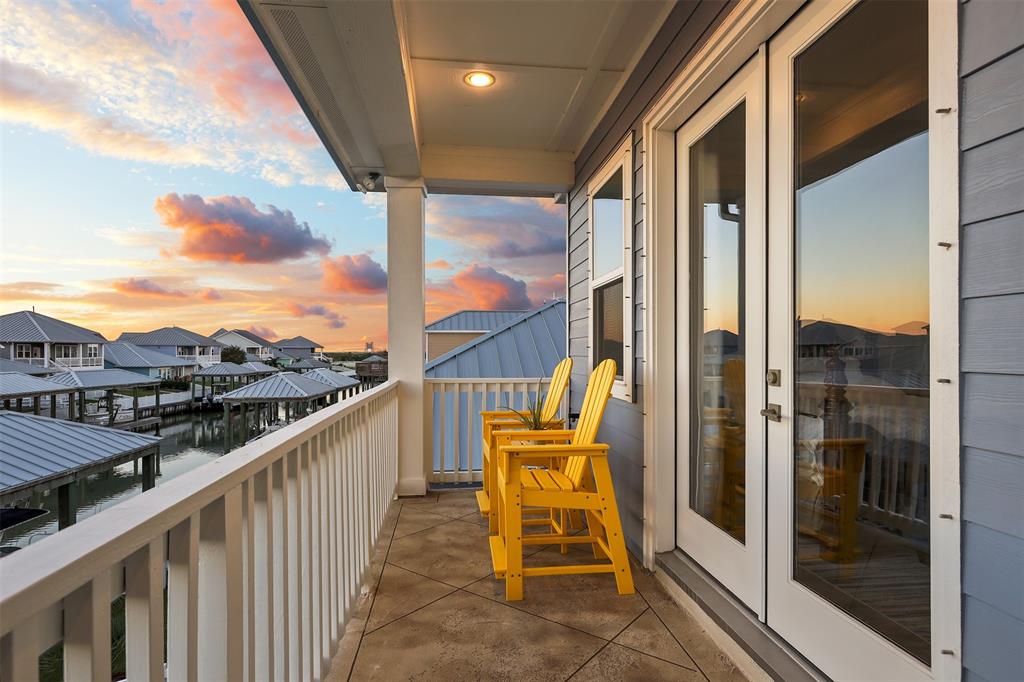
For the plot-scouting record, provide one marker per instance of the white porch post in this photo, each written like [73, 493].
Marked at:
[406, 310]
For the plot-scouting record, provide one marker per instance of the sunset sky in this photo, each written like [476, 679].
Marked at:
[156, 170]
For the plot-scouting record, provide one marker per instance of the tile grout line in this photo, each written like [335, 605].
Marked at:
[700, 669]
[607, 642]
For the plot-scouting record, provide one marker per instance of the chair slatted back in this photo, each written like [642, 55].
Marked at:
[556, 390]
[599, 392]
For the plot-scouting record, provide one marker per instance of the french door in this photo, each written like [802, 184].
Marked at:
[721, 335]
[803, 402]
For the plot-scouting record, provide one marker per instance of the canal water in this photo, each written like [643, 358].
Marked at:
[187, 441]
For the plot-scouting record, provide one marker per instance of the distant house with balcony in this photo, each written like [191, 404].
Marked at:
[41, 341]
[299, 347]
[251, 344]
[460, 328]
[145, 361]
[201, 351]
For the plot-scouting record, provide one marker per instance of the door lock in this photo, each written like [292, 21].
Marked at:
[773, 412]
[773, 377]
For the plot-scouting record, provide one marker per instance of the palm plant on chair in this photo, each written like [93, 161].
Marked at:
[533, 418]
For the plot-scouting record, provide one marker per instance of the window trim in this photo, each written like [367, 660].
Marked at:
[621, 159]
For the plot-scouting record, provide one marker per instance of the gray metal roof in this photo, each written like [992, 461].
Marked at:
[527, 347]
[245, 334]
[17, 385]
[100, 379]
[374, 358]
[331, 378]
[224, 369]
[34, 450]
[282, 386]
[124, 354]
[297, 342]
[168, 336]
[475, 320]
[24, 368]
[309, 363]
[260, 367]
[27, 326]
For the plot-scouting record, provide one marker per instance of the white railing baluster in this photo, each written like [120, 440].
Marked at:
[87, 631]
[19, 652]
[182, 599]
[144, 612]
[263, 571]
[306, 559]
[294, 569]
[282, 562]
[248, 582]
[220, 588]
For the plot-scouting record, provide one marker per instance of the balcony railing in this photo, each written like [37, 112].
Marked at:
[259, 555]
[455, 455]
[69, 363]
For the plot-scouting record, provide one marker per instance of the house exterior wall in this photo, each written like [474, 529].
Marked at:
[687, 27]
[992, 337]
[439, 343]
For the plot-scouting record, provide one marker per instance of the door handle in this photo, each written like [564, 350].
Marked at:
[773, 412]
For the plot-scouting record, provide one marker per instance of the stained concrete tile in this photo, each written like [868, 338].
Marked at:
[465, 637]
[589, 602]
[687, 630]
[650, 636]
[456, 503]
[617, 663]
[416, 518]
[455, 553]
[400, 592]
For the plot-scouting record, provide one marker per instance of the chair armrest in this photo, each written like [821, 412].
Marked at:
[495, 414]
[528, 454]
[547, 435]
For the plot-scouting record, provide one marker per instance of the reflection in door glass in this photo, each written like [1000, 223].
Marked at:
[718, 450]
[861, 385]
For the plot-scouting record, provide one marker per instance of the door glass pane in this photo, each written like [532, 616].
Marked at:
[861, 356]
[608, 226]
[608, 332]
[718, 450]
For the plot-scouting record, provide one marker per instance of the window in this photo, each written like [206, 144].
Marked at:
[64, 351]
[610, 238]
[92, 350]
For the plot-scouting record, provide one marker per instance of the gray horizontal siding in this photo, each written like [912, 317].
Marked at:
[992, 337]
[687, 26]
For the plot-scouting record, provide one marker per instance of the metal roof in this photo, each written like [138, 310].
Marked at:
[24, 367]
[124, 354]
[245, 334]
[282, 386]
[27, 326]
[260, 367]
[309, 363]
[224, 369]
[17, 385]
[35, 450]
[475, 320]
[527, 347]
[297, 342]
[168, 336]
[331, 378]
[374, 358]
[100, 379]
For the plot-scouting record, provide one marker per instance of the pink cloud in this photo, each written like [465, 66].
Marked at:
[439, 264]
[232, 229]
[140, 286]
[210, 295]
[263, 332]
[547, 288]
[481, 287]
[358, 274]
[498, 227]
[334, 320]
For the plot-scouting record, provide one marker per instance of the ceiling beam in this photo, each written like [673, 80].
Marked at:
[450, 169]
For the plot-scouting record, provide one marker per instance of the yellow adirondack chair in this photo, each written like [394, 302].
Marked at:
[567, 486]
[495, 421]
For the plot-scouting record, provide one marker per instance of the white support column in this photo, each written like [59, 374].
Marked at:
[406, 310]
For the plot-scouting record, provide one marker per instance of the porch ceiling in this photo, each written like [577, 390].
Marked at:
[383, 83]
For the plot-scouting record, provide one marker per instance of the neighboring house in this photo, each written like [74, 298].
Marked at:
[306, 364]
[462, 327]
[25, 367]
[299, 347]
[200, 351]
[251, 344]
[145, 361]
[47, 342]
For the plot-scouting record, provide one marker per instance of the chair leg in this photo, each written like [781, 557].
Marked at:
[613, 526]
[513, 520]
[562, 518]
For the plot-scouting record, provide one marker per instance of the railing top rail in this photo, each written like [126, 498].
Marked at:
[50, 567]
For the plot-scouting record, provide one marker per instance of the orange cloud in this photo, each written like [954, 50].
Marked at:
[334, 320]
[232, 229]
[358, 274]
[140, 286]
[439, 264]
[210, 295]
[263, 332]
[480, 287]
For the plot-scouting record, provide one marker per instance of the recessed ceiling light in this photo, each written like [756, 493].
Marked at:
[478, 79]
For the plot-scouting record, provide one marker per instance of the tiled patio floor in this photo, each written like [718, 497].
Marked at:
[434, 611]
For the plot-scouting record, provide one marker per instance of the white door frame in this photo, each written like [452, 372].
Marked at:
[739, 566]
[749, 24]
